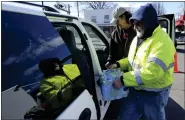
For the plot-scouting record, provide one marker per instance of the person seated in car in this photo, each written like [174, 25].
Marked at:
[56, 87]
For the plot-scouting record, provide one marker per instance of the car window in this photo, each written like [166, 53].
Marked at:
[164, 25]
[96, 37]
[77, 36]
[78, 39]
[23, 45]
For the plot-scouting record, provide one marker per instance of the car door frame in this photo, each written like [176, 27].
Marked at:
[102, 106]
[91, 55]
[170, 18]
[97, 71]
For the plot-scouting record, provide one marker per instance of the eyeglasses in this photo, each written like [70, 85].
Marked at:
[136, 23]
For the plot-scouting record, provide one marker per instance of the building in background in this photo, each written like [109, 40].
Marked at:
[102, 17]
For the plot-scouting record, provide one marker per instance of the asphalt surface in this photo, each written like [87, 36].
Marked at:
[175, 109]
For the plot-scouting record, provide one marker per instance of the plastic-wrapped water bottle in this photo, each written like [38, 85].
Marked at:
[119, 93]
[108, 92]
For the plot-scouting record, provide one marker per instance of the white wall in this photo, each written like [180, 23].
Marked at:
[99, 15]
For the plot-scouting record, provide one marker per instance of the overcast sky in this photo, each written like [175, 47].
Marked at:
[170, 7]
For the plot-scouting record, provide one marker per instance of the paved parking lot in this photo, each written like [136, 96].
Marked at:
[175, 109]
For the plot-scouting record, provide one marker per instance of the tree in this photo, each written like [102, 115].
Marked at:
[98, 5]
[63, 7]
[182, 8]
[159, 8]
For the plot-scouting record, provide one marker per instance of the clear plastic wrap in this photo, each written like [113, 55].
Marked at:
[107, 90]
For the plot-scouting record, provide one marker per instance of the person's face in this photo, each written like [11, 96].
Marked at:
[123, 23]
[139, 27]
[57, 66]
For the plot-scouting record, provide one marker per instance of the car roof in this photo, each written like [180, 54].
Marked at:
[35, 9]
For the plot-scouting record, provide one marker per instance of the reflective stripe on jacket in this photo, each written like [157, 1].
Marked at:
[151, 67]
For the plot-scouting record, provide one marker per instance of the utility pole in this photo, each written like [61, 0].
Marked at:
[63, 7]
[69, 9]
[43, 5]
[77, 8]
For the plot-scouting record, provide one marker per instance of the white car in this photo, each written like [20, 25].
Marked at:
[29, 35]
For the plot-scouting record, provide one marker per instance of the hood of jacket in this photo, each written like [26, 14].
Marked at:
[148, 16]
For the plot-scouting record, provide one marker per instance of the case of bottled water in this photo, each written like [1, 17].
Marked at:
[107, 90]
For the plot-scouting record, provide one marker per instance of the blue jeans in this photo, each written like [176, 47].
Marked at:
[144, 105]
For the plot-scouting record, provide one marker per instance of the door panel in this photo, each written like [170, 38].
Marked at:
[76, 108]
[103, 104]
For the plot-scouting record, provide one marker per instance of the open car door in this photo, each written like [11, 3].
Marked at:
[167, 22]
[28, 37]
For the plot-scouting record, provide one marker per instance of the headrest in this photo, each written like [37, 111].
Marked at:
[69, 39]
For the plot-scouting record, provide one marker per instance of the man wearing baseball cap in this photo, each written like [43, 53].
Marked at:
[121, 37]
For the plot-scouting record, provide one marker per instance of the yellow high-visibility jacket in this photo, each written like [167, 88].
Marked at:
[151, 67]
[49, 87]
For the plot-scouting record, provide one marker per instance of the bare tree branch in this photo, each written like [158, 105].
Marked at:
[159, 8]
[62, 7]
[98, 5]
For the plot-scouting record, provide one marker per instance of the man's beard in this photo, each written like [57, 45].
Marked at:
[140, 33]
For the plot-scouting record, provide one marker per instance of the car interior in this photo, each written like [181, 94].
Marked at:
[100, 43]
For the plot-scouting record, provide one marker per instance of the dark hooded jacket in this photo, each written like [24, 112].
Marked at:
[120, 43]
[148, 16]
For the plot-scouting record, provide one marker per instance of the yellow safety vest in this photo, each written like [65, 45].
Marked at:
[151, 67]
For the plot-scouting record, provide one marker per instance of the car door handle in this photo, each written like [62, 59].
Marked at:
[85, 115]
